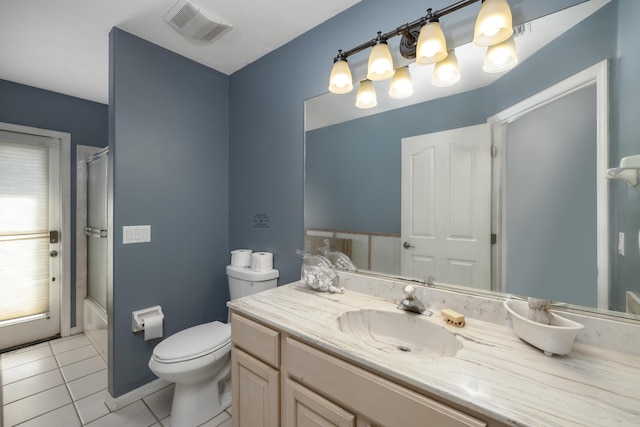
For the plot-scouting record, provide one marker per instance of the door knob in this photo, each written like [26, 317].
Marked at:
[53, 254]
[407, 245]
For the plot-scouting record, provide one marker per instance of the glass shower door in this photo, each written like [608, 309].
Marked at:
[96, 230]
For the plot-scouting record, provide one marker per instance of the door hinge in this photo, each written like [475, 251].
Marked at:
[494, 238]
[494, 151]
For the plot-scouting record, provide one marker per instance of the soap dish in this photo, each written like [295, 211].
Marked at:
[556, 338]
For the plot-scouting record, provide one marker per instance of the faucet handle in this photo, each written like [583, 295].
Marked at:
[409, 291]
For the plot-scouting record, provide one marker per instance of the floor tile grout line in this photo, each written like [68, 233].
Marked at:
[30, 361]
[73, 402]
[47, 412]
[150, 410]
[30, 376]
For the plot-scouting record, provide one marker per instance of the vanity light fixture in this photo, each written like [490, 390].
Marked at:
[366, 97]
[424, 41]
[401, 84]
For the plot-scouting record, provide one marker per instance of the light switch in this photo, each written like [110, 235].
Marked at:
[621, 243]
[136, 234]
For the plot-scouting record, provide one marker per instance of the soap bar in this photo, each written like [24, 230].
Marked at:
[452, 317]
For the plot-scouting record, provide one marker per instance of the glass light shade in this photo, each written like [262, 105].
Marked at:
[500, 57]
[340, 81]
[366, 97]
[380, 63]
[431, 47]
[447, 71]
[494, 23]
[401, 85]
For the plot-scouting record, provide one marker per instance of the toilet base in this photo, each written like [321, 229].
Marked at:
[195, 404]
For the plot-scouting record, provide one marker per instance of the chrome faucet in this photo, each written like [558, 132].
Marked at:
[411, 303]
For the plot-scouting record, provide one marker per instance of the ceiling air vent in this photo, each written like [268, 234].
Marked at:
[195, 24]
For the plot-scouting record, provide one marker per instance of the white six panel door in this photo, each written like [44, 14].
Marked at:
[446, 206]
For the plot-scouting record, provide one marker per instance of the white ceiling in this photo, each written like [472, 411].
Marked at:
[63, 45]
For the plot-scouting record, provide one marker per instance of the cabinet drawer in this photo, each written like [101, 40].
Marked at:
[379, 399]
[260, 341]
[306, 408]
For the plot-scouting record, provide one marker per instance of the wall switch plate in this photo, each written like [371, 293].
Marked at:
[136, 234]
[621, 243]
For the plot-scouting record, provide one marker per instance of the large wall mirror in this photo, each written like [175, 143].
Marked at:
[545, 194]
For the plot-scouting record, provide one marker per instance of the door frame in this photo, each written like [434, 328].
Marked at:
[65, 216]
[597, 75]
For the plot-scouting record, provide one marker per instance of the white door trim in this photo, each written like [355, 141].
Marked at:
[597, 75]
[65, 216]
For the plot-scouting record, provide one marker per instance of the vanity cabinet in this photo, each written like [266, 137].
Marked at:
[383, 402]
[279, 380]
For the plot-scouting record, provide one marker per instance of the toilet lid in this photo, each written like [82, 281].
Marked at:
[193, 342]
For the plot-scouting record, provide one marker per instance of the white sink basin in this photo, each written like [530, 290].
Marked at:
[556, 338]
[400, 332]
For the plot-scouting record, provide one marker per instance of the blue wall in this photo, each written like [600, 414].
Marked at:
[168, 142]
[551, 201]
[86, 121]
[625, 134]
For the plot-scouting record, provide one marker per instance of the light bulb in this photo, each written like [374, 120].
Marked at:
[401, 85]
[340, 80]
[447, 71]
[380, 63]
[431, 47]
[366, 97]
[501, 57]
[494, 23]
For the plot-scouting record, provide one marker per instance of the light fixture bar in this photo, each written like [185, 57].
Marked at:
[409, 32]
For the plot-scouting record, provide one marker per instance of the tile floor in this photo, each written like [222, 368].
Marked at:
[62, 383]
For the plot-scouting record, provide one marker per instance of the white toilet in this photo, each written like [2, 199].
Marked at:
[198, 359]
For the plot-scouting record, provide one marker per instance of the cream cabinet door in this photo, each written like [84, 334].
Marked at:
[255, 388]
[304, 408]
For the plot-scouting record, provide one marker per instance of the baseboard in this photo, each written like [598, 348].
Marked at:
[115, 403]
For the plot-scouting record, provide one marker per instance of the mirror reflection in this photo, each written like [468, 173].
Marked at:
[414, 191]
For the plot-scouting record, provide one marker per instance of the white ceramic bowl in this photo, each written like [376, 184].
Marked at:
[556, 338]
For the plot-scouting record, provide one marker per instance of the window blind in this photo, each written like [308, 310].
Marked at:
[24, 229]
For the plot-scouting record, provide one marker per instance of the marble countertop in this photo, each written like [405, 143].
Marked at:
[494, 373]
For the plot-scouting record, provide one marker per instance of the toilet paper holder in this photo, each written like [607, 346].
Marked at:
[137, 317]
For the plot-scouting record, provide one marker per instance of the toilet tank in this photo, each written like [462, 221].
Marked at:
[244, 281]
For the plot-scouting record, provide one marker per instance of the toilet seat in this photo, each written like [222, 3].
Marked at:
[194, 342]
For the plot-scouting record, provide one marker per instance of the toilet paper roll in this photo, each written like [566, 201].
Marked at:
[262, 261]
[241, 257]
[152, 326]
